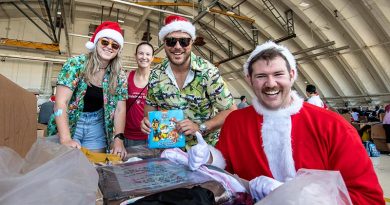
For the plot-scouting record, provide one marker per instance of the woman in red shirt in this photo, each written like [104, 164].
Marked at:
[137, 89]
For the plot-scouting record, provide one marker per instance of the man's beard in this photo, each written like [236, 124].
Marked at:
[172, 60]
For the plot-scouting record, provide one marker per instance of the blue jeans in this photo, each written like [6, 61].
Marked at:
[90, 130]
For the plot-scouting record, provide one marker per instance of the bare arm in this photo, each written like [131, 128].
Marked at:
[189, 127]
[120, 117]
[217, 121]
[63, 96]
[119, 127]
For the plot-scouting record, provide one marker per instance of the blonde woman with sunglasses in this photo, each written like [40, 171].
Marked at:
[90, 106]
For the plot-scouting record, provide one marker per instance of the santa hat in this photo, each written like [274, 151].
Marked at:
[269, 45]
[177, 23]
[107, 29]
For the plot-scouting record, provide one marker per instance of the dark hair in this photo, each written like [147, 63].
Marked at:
[268, 55]
[311, 89]
[144, 43]
[242, 97]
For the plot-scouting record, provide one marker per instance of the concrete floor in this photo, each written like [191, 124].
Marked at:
[382, 168]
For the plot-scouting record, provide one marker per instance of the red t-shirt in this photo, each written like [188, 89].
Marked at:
[135, 113]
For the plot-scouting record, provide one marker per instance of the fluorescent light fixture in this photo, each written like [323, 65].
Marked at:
[151, 8]
[121, 21]
[231, 78]
[304, 4]
[59, 13]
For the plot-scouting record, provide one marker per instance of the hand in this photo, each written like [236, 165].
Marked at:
[70, 143]
[261, 186]
[187, 127]
[198, 154]
[118, 148]
[145, 125]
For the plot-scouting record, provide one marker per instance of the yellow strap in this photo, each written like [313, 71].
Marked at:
[100, 157]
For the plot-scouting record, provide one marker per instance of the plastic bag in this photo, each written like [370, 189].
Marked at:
[50, 174]
[311, 187]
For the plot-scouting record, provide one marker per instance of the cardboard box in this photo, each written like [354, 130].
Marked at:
[381, 145]
[377, 131]
[379, 137]
[41, 130]
[18, 117]
[347, 117]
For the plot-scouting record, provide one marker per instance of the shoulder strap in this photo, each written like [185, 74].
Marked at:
[138, 96]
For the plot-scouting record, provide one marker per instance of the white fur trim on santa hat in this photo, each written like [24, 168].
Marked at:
[89, 45]
[276, 141]
[283, 50]
[184, 26]
[218, 159]
[107, 33]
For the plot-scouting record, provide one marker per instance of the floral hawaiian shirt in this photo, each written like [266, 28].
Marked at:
[70, 76]
[201, 99]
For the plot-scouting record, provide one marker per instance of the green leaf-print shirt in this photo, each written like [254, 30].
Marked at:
[200, 100]
[70, 76]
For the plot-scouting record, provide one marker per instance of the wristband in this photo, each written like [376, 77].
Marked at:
[121, 136]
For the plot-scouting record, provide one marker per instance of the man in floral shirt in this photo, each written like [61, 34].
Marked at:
[187, 82]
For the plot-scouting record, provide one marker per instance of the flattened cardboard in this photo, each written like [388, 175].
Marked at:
[18, 117]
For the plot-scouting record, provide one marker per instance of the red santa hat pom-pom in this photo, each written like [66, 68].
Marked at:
[177, 23]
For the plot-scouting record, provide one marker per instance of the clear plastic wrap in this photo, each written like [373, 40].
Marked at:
[50, 174]
[311, 187]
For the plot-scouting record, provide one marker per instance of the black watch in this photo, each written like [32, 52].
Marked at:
[121, 136]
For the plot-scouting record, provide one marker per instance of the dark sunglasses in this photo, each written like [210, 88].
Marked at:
[105, 43]
[171, 42]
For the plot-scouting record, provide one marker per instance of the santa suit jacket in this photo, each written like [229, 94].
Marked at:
[320, 139]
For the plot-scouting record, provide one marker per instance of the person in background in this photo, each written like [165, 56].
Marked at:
[386, 125]
[243, 103]
[137, 88]
[90, 108]
[355, 115]
[46, 110]
[313, 97]
[268, 142]
[187, 82]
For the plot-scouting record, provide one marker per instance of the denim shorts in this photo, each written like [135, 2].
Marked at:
[90, 130]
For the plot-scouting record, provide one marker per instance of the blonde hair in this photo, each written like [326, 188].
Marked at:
[93, 65]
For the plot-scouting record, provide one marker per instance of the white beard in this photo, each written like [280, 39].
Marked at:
[276, 134]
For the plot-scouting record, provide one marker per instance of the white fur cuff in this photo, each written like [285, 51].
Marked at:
[218, 159]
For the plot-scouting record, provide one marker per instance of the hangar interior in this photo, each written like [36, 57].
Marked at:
[341, 46]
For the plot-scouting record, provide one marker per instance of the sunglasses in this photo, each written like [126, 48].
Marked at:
[105, 43]
[171, 42]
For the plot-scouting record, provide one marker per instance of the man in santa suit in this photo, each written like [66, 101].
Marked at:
[268, 142]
